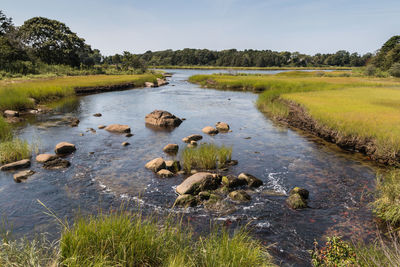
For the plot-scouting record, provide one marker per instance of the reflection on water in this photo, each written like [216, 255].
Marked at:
[103, 173]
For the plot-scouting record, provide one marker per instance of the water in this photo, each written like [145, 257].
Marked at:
[339, 182]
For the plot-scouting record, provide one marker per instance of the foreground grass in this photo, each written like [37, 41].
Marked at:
[122, 239]
[19, 95]
[205, 157]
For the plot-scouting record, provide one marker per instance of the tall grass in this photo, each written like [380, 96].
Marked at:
[5, 130]
[205, 157]
[13, 150]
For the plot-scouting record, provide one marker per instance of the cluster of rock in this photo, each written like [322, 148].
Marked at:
[160, 82]
[222, 127]
[162, 168]
[209, 188]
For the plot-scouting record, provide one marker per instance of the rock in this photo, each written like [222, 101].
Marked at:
[118, 128]
[222, 126]
[251, 180]
[64, 148]
[201, 181]
[101, 127]
[171, 148]
[295, 201]
[193, 137]
[161, 118]
[97, 115]
[239, 195]
[192, 144]
[204, 195]
[74, 122]
[232, 162]
[209, 130]
[161, 82]
[125, 144]
[22, 175]
[301, 191]
[173, 165]
[193, 172]
[149, 84]
[42, 158]
[25, 163]
[128, 135]
[186, 201]
[11, 113]
[91, 130]
[165, 173]
[56, 164]
[232, 181]
[155, 165]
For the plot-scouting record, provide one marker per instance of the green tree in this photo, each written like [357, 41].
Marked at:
[5, 24]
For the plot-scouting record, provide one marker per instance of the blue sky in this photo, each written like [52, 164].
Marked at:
[307, 26]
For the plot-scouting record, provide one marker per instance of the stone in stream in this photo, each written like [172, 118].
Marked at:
[118, 128]
[11, 113]
[97, 115]
[64, 148]
[125, 144]
[156, 164]
[21, 164]
[239, 195]
[192, 144]
[209, 130]
[173, 165]
[56, 164]
[201, 181]
[161, 82]
[22, 175]
[165, 173]
[301, 191]
[295, 201]
[251, 180]
[161, 118]
[185, 200]
[193, 137]
[74, 122]
[101, 127]
[149, 84]
[171, 149]
[128, 135]
[232, 181]
[42, 158]
[222, 126]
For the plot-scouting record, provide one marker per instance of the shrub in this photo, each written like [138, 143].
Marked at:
[395, 70]
[335, 253]
[370, 70]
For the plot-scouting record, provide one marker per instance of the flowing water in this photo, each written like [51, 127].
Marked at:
[340, 182]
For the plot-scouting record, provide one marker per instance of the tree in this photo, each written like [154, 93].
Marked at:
[52, 41]
[5, 24]
[388, 54]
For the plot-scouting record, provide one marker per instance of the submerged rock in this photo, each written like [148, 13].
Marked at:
[201, 181]
[128, 135]
[193, 137]
[171, 148]
[209, 130]
[222, 126]
[97, 115]
[64, 148]
[74, 122]
[295, 201]
[42, 158]
[239, 195]
[185, 200]
[165, 173]
[162, 118]
[118, 128]
[251, 180]
[22, 175]
[56, 164]
[21, 164]
[155, 165]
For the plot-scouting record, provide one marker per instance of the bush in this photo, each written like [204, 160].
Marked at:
[370, 70]
[335, 253]
[395, 70]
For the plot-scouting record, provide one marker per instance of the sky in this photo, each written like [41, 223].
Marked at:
[306, 26]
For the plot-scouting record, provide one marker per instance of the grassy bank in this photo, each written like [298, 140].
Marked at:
[123, 239]
[355, 108]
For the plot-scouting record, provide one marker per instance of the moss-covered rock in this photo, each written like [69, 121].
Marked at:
[251, 180]
[296, 201]
[232, 181]
[301, 191]
[239, 195]
[204, 195]
[186, 201]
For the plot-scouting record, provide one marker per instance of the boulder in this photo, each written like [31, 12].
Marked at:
[161, 82]
[232, 181]
[161, 118]
[42, 158]
[201, 181]
[209, 130]
[22, 175]
[97, 115]
[171, 148]
[25, 163]
[301, 191]
[165, 173]
[295, 201]
[155, 165]
[173, 165]
[193, 137]
[251, 180]
[11, 113]
[149, 84]
[204, 195]
[64, 148]
[186, 201]
[101, 127]
[222, 126]
[56, 164]
[239, 195]
[118, 128]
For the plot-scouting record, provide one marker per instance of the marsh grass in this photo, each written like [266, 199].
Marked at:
[5, 130]
[205, 157]
[14, 149]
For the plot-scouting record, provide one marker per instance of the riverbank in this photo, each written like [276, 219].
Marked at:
[353, 112]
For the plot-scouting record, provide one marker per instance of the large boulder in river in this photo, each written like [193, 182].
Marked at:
[171, 148]
[201, 181]
[193, 137]
[251, 180]
[301, 191]
[209, 130]
[155, 165]
[161, 118]
[42, 158]
[64, 148]
[118, 128]
[25, 163]
[11, 113]
[232, 181]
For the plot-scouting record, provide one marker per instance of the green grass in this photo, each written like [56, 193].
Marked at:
[5, 130]
[13, 150]
[205, 157]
